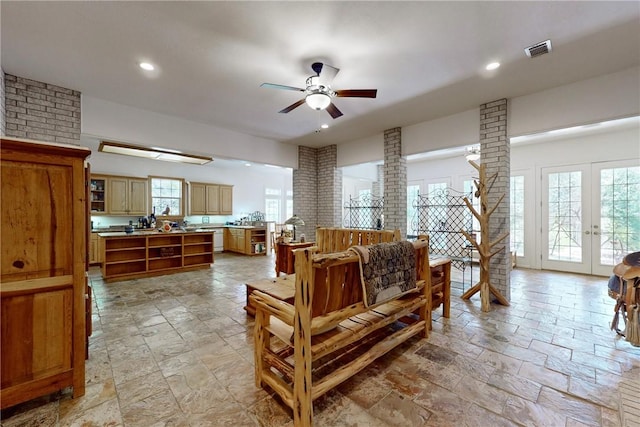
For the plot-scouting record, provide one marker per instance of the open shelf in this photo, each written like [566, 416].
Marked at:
[198, 259]
[128, 257]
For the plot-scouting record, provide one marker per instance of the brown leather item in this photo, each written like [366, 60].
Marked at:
[629, 268]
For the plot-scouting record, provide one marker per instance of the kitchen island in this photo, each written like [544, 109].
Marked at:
[146, 253]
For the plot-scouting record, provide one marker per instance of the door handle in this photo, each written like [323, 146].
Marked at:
[587, 232]
[595, 233]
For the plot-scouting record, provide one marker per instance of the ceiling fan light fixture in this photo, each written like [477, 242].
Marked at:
[318, 101]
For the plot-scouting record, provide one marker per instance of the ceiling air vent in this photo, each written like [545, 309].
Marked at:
[538, 49]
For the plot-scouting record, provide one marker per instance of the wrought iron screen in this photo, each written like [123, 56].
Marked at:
[364, 212]
[442, 215]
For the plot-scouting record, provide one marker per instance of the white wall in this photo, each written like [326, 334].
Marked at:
[529, 160]
[104, 119]
[594, 100]
[249, 183]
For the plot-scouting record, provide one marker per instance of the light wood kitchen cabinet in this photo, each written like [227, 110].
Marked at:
[142, 254]
[210, 199]
[248, 241]
[127, 196]
[97, 194]
[42, 269]
[95, 249]
[226, 200]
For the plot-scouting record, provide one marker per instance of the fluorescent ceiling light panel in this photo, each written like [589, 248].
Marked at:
[152, 153]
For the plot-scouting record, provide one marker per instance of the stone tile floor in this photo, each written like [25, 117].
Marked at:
[177, 351]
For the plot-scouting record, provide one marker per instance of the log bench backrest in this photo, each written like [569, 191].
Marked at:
[333, 280]
[330, 240]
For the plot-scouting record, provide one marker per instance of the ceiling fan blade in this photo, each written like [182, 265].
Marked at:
[333, 110]
[326, 73]
[292, 106]
[275, 86]
[357, 93]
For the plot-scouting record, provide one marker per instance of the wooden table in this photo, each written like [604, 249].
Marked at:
[283, 288]
[284, 256]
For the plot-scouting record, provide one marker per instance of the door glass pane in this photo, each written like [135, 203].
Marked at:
[565, 216]
[412, 213]
[516, 233]
[619, 213]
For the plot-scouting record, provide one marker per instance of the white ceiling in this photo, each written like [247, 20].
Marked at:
[425, 58]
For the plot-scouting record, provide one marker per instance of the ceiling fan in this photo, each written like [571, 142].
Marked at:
[318, 93]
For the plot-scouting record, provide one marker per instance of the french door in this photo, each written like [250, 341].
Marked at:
[590, 216]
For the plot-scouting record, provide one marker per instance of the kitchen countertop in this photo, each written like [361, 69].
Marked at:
[149, 232]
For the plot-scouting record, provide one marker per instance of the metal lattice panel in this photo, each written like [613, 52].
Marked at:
[442, 215]
[364, 212]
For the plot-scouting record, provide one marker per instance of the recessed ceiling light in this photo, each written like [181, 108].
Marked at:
[492, 66]
[324, 126]
[247, 164]
[147, 66]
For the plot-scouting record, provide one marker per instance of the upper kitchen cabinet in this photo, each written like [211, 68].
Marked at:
[210, 199]
[127, 196]
[226, 200]
[97, 194]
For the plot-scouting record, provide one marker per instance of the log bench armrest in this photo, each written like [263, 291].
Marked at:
[273, 306]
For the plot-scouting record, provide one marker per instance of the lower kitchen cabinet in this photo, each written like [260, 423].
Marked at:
[95, 249]
[143, 254]
[247, 241]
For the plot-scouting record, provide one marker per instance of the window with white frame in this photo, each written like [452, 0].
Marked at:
[470, 188]
[289, 207]
[413, 191]
[272, 202]
[516, 232]
[166, 193]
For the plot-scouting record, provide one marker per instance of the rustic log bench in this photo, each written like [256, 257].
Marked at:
[329, 333]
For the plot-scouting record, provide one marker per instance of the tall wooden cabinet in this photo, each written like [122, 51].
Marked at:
[43, 217]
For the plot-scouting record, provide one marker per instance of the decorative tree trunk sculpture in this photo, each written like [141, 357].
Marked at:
[485, 247]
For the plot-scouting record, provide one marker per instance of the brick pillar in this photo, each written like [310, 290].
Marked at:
[2, 110]
[41, 111]
[395, 182]
[305, 191]
[377, 187]
[495, 154]
[329, 187]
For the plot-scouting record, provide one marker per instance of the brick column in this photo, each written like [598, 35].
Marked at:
[377, 187]
[329, 187]
[395, 182]
[41, 111]
[2, 110]
[305, 191]
[495, 154]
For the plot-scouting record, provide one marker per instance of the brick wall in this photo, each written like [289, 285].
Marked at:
[395, 182]
[41, 111]
[2, 112]
[329, 179]
[495, 154]
[305, 191]
[377, 187]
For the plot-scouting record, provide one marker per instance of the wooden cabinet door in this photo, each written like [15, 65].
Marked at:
[226, 200]
[93, 249]
[137, 196]
[42, 269]
[197, 199]
[118, 196]
[213, 199]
